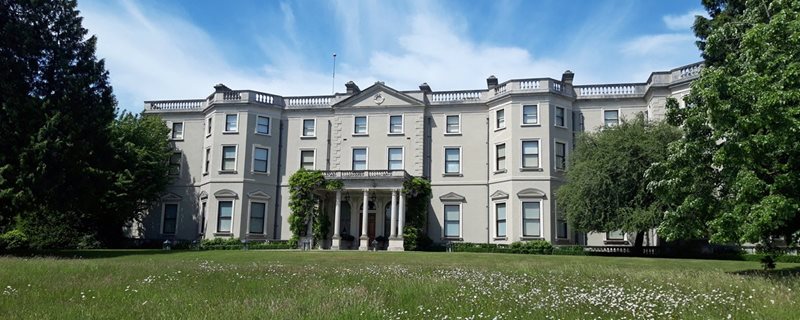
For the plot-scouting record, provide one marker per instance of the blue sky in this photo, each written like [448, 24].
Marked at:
[180, 49]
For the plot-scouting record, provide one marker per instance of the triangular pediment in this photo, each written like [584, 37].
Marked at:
[259, 195]
[169, 196]
[499, 195]
[452, 196]
[225, 193]
[532, 193]
[379, 95]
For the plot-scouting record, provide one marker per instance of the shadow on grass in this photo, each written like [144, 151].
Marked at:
[793, 272]
[92, 254]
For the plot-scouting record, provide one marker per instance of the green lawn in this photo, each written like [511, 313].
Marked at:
[410, 285]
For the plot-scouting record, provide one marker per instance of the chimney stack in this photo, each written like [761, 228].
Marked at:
[221, 88]
[567, 77]
[424, 87]
[352, 88]
[491, 82]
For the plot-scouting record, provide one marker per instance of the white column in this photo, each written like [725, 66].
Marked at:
[393, 224]
[365, 208]
[337, 215]
[401, 219]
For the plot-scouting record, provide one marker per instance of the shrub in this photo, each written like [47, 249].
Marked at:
[569, 251]
[532, 247]
[14, 240]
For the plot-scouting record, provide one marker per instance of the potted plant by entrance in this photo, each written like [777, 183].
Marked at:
[345, 237]
[383, 242]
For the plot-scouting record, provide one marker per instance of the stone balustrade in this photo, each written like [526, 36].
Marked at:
[690, 71]
[609, 90]
[308, 101]
[455, 96]
[191, 104]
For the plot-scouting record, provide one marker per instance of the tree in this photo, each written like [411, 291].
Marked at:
[139, 173]
[606, 187]
[56, 106]
[734, 175]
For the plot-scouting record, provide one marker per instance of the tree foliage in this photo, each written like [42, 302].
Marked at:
[734, 175]
[606, 187]
[66, 171]
[418, 192]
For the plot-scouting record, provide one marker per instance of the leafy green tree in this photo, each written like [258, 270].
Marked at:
[734, 175]
[139, 174]
[607, 180]
[56, 106]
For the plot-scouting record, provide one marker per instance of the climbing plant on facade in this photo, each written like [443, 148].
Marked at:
[305, 204]
[418, 192]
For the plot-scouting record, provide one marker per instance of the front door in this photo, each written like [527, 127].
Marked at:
[371, 226]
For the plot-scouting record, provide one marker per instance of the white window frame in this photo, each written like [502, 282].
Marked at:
[402, 158]
[207, 163]
[314, 157]
[173, 135]
[446, 132]
[235, 158]
[250, 216]
[402, 124]
[303, 128]
[460, 160]
[353, 158]
[560, 217]
[522, 154]
[530, 124]
[209, 125]
[497, 125]
[497, 169]
[227, 130]
[555, 154]
[269, 125]
[541, 218]
[604, 117]
[233, 215]
[164, 214]
[624, 236]
[253, 159]
[366, 125]
[180, 164]
[497, 221]
[563, 117]
[460, 219]
[201, 222]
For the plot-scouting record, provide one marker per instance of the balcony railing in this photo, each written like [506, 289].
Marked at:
[365, 174]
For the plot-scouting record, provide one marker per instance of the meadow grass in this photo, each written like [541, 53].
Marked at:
[388, 285]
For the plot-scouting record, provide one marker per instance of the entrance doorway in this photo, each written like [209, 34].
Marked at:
[370, 221]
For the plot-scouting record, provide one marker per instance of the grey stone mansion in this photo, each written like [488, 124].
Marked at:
[494, 157]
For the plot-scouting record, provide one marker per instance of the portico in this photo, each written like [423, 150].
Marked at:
[368, 191]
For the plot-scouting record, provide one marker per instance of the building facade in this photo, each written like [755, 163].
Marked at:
[494, 157]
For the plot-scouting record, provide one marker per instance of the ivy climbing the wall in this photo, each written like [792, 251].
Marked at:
[306, 205]
[418, 192]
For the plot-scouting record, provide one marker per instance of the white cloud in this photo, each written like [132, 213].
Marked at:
[683, 22]
[660, 44]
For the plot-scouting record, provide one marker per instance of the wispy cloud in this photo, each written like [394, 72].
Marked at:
[662, 44]
[684, 21]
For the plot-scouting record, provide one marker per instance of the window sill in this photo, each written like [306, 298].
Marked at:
[530, 125]
[530, 169]
[498, 129]
[260, 173]
[453, 238]
[262, 134]
[205, 173]
[360, 134]
[560, 127]
[395, 133]
[208, 135]
[223, 234]
[500, 171]
[227, 172]
[452, 174]
[176, 139]
[530, 238]
[230, 132]
[452, 133]
[561, 170]
[308, 137]
[257, 235]
[500, 238]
